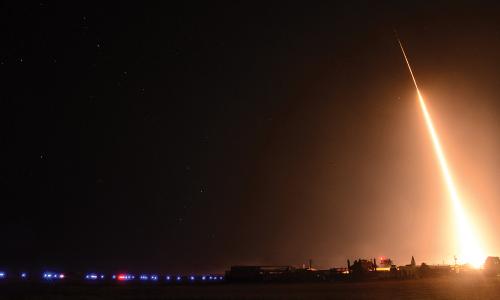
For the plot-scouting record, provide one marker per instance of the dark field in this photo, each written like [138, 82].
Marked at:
[438, 288]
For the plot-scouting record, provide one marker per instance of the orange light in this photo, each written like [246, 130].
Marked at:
[470, 250]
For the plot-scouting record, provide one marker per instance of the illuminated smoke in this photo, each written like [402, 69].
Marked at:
[470, 250]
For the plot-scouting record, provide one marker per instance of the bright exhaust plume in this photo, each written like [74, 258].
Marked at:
[469, 247]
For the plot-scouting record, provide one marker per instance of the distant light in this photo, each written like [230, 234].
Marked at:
[102, 276]
[122, 277]
[113, 277]
[191, 277]
[178, 278]
[49, 275]
[2, 274]
[168, 277]
[221, 277]
[24, 275]
[154, 277]
[210, 278]
[143, 277]
[203, 278]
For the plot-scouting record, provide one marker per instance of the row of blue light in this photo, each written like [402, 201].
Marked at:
[3, 275]
[168, 278]
[194, 278]
[94, 276]
[53, 276]
[120, 277]
[145, 277]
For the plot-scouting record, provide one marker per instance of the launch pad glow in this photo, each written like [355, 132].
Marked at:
[470, 250]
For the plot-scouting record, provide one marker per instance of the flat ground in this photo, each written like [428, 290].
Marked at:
[456, 288]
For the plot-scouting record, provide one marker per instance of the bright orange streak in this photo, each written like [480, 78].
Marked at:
[470, 250]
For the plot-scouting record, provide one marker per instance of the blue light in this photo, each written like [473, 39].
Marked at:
[2, 275]
[154, 277]
[210, 278]
[102, 276]
[123, 277]
[51, 276]
[191, 278]
[203, 278]
[168, 278]
[24, 275]
[178, 278]
[113, 277]
[144, 277]
[221, 278]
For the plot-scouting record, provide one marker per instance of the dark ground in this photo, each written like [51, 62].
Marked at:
[438, 288]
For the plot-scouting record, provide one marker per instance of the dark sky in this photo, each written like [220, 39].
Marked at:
[190, 137]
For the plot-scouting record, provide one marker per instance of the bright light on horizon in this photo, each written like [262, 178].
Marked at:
[470, 250]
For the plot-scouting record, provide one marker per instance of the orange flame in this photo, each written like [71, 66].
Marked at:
[470, 250]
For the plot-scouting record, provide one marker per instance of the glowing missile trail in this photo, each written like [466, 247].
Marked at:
[470, 250]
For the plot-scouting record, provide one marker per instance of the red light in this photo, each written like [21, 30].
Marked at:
[122, 277]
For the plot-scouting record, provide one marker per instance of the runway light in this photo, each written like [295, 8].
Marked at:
[2, 275]
[203, 278]
[154, 277]
[178, 278]
[24, 275]
[122, 277]
[51, 276]
[168, 278]
[191, 278]
[94, 276]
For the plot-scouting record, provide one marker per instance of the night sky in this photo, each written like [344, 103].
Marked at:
[191, 137]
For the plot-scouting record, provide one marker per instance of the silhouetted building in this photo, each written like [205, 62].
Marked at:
[492, 265]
